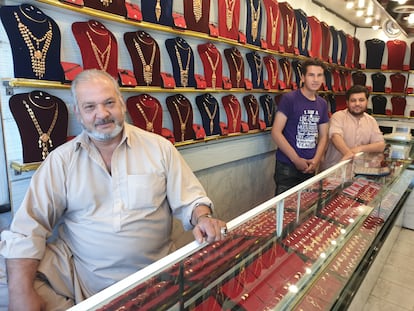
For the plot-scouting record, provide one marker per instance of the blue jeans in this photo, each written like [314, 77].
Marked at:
[287, 176]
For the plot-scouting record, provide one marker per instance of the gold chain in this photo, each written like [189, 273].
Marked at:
[255, 17]
[254, 113]
[149, 125]
[211, 116]
[304, 32]
[183, 71]
[290, 25]
[101, 57]
[288, 73]
[39, 106]
[272, 62]
[229, 13]
[269, 110]
[44, 138]
[146, 67]
[274, 22]
[234, 116]
[259, 65]
[213, 67]
[37, 55]
[237, 67]
[197, 9]
[29, 17]
[183, 123]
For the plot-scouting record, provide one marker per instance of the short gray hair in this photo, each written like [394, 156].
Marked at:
[90, 74]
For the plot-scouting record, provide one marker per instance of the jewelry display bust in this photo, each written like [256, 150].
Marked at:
[229, 18]
[210, 113]
[111, 6]
[273, 24]
[256, 66]
[145, 112]
[269, 108]
[272, 71]
[212, 64]
[181, 113]
[235, 62]
[97, 45]
[182, 61]
[35, 42]
[42, 120]
[197, 15]
[252, 107]
[233, 112]
[254, 22]
[145, 56]
[157, 11]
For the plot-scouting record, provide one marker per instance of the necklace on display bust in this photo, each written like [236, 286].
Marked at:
[213, 65]
[254, 112]
[237, 67]
[149, 125]
[229, 13]
[211, 115]
[44, 141]
[197, 9]
[147, 67]
[183, 122]
[37, 54]
[255, 17]
[183, 71]
[234, 115]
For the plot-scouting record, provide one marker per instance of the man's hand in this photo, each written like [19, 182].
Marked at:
[209, 229]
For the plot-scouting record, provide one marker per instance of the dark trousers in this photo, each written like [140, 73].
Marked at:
[287, 176]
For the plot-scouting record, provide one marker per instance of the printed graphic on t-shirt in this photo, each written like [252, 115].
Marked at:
[307, 134]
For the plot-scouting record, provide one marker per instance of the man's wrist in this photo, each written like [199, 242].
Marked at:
[199, 213]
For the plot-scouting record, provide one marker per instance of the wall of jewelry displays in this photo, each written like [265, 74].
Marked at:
[306, 249]
[388, 66]
[219, 161]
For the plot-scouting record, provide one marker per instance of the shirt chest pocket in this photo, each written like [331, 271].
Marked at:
[146, 191]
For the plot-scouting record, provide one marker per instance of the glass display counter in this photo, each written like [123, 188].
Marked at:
[304, 249]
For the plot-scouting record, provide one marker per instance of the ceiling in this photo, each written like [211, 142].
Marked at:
[390, 14]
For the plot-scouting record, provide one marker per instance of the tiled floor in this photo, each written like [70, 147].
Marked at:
[394, 289]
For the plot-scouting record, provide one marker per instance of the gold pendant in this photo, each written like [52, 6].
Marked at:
[197, 10]
[211, 126]
[273, 37]
[158, 10]
[213, 80]
[289, 40]
[150, 127]
[44, 138]
[254, 30]
[184, 77]
[229, 19]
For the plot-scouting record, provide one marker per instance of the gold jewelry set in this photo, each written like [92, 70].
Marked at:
[197, 9]
[44, 141]
[255, 18]
[290, 25]
[273, 21]
[213, 65]
[149, 125]
[258, 66]
[37, 54]
[287, 71]
[102, 57]
[269, 107]
[183, 71]
[304, 32]
[183, 122]
[253, 112]
[234, 115]
[237, 67]
[147, 67]
[211, 115]
[229, 13]
[273, 66]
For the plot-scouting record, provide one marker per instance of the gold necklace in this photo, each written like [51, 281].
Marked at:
[272, 62]
[106, 2]
[268, 110]
[234, 116]
[229, 13]
[259, 65]
[237, 67]
[213, 67]
[290, 26]
[37, 55]
[101, 57]
[183, 123]
[146, 67]
[211, 116]
[274, 22]
[149, 125]
[44, 140]
[304, 32]
[158, 10]
[197, 9]
[183, 71]
[255, 16]
[287, 73]
[253, 113]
